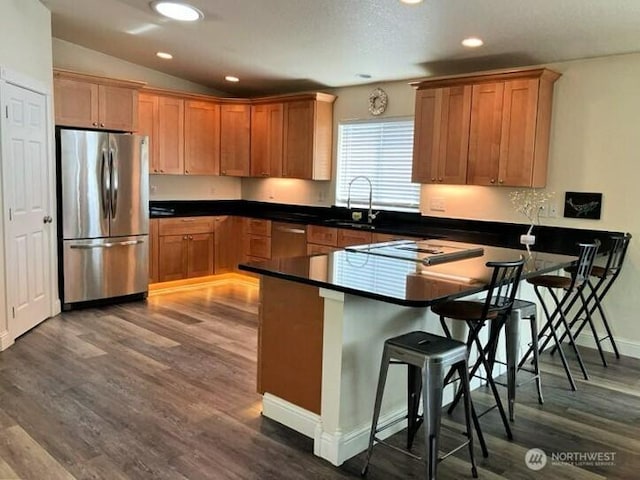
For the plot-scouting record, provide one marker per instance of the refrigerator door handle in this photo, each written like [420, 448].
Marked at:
[113, 168]
[105, 184]
[107, 245]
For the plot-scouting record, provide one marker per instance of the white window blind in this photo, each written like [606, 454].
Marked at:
[380, 150]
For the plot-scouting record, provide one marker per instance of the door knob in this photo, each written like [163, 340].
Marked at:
[47, 219]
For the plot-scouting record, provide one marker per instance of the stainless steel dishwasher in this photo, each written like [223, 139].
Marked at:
[288, 240]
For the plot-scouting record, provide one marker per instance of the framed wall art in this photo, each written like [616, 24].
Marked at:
[583, 205]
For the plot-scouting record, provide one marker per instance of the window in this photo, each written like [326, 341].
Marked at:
[382, 151]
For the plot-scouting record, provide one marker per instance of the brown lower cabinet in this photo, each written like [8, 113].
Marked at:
[185, 248]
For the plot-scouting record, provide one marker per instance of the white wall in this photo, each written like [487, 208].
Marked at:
[25, 48]
[191, 187]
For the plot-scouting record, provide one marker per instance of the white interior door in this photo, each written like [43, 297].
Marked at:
[25, 173]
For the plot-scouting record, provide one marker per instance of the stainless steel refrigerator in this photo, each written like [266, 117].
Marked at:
[103, 198]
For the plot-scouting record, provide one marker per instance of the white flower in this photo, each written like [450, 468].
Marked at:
[530, 202]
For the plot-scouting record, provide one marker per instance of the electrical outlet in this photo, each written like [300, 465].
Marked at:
[544, 211]
[322, 196]
[553, 210]
[437, 204]
[153, 188]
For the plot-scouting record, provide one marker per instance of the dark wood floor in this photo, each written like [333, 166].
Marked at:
[165, 389]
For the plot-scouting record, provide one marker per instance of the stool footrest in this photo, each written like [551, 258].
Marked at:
[393, 422]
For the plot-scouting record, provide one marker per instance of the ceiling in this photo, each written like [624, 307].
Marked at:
[279, 46]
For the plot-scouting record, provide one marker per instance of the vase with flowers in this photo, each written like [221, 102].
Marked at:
[529, 203]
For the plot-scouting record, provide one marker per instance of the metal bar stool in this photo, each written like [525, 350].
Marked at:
[434, 356]
[521, 310]
[496, 308]
[606, 277]
[573, 287]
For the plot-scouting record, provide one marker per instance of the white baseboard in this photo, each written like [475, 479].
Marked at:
[627, 348]
[339, 447]
[6, 340]
[291, 415]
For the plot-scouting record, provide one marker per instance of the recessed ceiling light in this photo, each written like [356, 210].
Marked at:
[177, 11]
[231, 78]
[411, 2]
[165, 55]
[472, 42]
[363, 75]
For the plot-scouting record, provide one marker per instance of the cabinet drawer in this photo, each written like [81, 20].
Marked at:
[322, 235]
[186, 225]
[258, 246]
[315, 249]
[353, 237]
[257, 226]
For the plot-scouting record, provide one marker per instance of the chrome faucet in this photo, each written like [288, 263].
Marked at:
[371, 216]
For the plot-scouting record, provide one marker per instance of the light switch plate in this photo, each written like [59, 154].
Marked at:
[437, 204]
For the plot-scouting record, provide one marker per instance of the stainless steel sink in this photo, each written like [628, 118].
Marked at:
[344, 223]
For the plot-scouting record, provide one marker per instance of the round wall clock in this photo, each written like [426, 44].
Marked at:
[377, 101]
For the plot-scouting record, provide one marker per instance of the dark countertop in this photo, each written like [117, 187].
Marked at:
[402, 282]
[548, 239]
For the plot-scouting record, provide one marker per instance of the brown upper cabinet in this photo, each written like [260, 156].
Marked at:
[235, 140]
[266, 139]
[484, 129]
[308, 135]
[201, 138]
[88, 101]
[184, 134]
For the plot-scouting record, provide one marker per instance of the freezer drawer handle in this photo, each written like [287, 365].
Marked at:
[107, 245]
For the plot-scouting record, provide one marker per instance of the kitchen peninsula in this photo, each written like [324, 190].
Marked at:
[323, 321]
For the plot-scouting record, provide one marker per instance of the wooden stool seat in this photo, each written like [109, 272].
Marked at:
[550, 281]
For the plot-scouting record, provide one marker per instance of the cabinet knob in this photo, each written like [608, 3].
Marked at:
[155, 170]
[161, 171]
[265, 174]
[433, 179]
[186, 171]
[440, 179]
[500, 181]
[102, 124]
[223, 172]
[190, 237]
[95, 124]
[184, 238]
[493, 180]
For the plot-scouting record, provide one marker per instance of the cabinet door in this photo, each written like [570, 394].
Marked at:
[118, 108]
[299, 120]
[517, 142]
[170, 135]
[484, 135]
[154, 239]
[200, 258]
[426, 139]
[266, 140]
[454, 135]
[75, 103]
[235, 148]
[173, 257]
[148, 125]
[201, 138]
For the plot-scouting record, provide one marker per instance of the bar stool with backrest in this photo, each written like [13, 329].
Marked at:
[430, 357]
[573, 288]
[496, 307]
[606, 276]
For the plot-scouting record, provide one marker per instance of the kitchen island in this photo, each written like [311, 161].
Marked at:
[324, 319]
